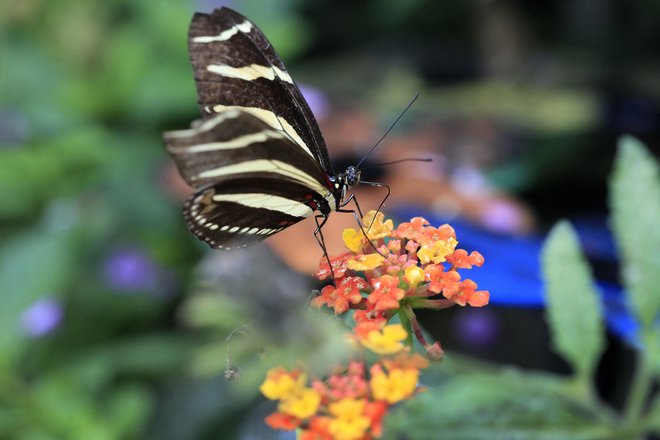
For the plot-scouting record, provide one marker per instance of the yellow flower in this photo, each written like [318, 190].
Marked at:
[365, 262]
[414, 275]
[280, 384]
[302, 404]
[353, 240]
[399, 384]
[437, 251]
[375, 227]
[349, 421]
[386, 341]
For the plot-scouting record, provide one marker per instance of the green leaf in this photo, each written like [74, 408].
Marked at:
[654, 351]
[635, 203]
[508, 405]
[653, 416]
[573, 308]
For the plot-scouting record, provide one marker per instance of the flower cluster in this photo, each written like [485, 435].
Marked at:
[388, 272]
[393, 271]
[351, 403]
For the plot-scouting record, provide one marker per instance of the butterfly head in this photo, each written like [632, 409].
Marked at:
[351, 176]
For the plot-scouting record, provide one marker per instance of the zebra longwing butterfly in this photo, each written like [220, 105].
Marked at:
[257, 159]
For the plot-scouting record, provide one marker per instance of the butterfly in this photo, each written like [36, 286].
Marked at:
[256, 159]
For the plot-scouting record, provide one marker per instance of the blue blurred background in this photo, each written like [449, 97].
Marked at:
[103, 289]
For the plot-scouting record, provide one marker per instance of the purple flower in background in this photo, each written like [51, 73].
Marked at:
[316, 99]
[476, 327]
[131, 269]
[502, 217]
[42, 317]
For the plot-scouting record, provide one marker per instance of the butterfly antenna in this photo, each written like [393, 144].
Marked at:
[412, 101]
[409, 159]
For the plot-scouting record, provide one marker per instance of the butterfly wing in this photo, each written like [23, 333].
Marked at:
[257, 159]
[252, 179]
[236, 67]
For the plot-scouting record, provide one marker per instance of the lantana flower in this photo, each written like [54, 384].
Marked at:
[394, 385]
[389, 340]
[341, 297]
[412, 266]
[387, 273]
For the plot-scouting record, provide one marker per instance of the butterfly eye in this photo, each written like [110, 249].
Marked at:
[351, 176]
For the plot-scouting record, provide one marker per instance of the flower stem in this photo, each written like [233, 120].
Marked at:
[432, 303]
[414, 324]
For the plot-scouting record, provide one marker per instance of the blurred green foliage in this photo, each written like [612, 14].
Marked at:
[80, 171]
[94, 255]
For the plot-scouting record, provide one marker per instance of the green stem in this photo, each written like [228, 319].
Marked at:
[641, 385]
[413, 324]
[405, 321]
[432, 303]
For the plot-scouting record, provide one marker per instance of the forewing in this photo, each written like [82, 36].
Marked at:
[235, 142]
[237, 68]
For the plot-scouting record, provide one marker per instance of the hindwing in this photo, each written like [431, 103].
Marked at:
[252, 180]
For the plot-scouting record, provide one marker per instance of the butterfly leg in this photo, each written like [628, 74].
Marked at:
[380, 185]
[351, 198]
[318, 234]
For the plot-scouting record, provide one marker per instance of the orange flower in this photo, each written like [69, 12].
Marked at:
[411, 230]
[364, 327]
[369, 316]
[376, 411]
[466, 294]
[284, 422]
[430, 234]
[461, 260]
[340, 297]
[387, 294]
[441, 280]
[317, 429]
[338, 267]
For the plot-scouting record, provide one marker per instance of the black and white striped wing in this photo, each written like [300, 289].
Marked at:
[236, 67]
[252, 180]
[257, 158]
